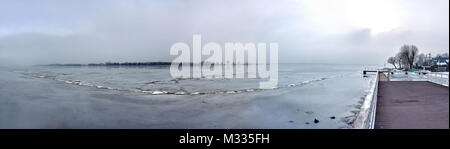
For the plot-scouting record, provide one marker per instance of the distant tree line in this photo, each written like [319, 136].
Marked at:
[127, 64]
[116, 64]
[130, 64]
[409, 57]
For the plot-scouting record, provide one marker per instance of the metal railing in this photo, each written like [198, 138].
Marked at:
[438, 78]
[439, 75]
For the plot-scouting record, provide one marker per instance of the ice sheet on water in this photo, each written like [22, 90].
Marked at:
[320, 92]
[152, 81]
[177, 89]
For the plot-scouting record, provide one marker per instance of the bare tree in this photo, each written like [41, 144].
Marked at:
[408, 54]
[399, 60]
[403, 56]
[420, 59]
[391, 60]
[413, 52]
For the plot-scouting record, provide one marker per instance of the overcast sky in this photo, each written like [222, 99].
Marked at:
[314, 31]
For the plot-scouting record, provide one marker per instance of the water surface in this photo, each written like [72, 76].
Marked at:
[148, 97]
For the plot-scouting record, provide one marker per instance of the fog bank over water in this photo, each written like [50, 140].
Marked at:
[319, 31]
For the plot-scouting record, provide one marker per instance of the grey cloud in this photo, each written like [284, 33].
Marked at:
[145, 30]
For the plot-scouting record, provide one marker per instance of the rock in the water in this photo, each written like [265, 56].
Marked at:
[333, 117]
[316, 120]
[291, 121]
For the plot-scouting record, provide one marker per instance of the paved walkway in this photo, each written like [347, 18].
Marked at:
[412, 104]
